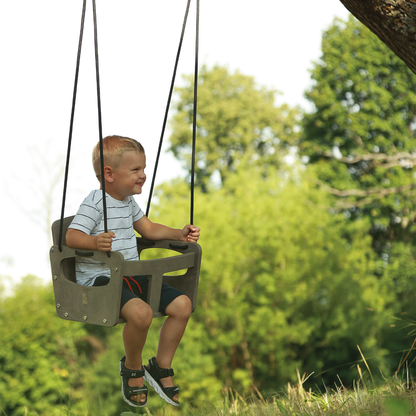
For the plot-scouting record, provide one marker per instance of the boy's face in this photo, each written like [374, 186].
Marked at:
[129, 177]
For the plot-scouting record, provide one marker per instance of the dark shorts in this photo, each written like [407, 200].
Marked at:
[137, 287]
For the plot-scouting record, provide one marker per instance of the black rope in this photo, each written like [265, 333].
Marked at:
[172, 85]
[194, 115]
[100, 129]
[100, 117]
[71, 124]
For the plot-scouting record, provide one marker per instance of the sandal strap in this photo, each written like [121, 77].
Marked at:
[131, 374]
[134, 391]
[157, 372]
[171, 391]
[125, 372]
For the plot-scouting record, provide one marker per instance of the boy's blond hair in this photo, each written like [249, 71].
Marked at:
[114, 148]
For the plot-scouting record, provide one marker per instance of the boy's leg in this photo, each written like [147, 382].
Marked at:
[178, 311]
[138, 316]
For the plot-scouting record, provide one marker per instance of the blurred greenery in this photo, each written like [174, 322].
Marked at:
[293, 277]
[360, 136]
[396, 407]
[238, 122]
[359, 142]
[295, 290]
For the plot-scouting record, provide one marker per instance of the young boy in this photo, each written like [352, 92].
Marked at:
[124, 164]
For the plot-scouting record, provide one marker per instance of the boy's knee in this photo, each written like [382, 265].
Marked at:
[145, 314]
[181, 306]
[187, 305]
[141, 315]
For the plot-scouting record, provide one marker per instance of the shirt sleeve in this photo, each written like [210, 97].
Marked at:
[137, 211]
[88, 217]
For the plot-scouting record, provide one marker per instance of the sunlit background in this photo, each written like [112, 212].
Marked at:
[270, 40]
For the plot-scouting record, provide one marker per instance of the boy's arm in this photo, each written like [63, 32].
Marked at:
[80, 240]
[153, 231]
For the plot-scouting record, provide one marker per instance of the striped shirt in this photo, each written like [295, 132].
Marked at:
[120, 218]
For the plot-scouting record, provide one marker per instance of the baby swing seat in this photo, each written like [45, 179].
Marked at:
[100, 305]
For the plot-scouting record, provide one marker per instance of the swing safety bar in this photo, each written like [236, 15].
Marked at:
[100, 305]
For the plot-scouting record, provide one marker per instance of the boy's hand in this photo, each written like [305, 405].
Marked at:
[104, 241]
[191, 233]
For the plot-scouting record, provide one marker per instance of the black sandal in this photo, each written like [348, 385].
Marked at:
[128, 391]
[153, 374]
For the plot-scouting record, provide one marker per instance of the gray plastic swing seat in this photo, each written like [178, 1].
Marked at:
[100, 305]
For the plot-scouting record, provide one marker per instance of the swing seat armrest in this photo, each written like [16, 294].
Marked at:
[98, 305]
[158, 266]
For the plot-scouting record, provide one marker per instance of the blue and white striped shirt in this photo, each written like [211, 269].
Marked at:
[120, 218]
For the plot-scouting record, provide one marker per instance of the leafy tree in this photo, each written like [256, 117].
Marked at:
[361, 134]
[360, 142]
[49, 366]
[236, 120]
[39, 353]
[284, 284]
[399, 331]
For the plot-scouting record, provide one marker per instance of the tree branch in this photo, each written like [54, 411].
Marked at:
[402, 159]
[368, 195]
[362, 193]
[393, 21]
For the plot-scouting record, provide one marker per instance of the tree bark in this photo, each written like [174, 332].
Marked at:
[393, 21]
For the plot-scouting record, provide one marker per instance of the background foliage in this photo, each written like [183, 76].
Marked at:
[361, 136]
[304, 258]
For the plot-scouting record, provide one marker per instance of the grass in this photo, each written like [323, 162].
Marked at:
[394, 397]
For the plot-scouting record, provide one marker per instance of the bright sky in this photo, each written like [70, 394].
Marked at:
[274, 41]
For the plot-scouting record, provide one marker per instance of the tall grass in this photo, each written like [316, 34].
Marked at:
[395, 397]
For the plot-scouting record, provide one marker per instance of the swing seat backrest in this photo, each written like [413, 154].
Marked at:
[100, 305]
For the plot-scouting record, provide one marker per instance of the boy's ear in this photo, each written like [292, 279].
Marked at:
[108, 174]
